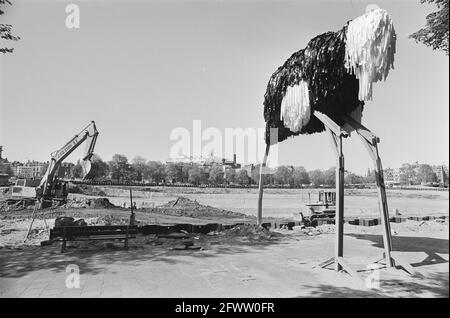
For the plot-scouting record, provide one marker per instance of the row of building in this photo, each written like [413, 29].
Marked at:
[401, 176]
[28, 170]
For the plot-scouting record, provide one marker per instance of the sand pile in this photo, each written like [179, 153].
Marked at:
[183, 206]
[93, 203]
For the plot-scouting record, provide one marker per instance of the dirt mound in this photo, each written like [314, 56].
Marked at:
[69, 221]
[183, 206]
[16, 205]
[108, 220]
[93, 203]
[86, 189]
[251, 232]
[182, 203]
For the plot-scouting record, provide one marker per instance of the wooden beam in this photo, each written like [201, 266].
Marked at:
[339, 218]
[349, 269]
[261, 184]
[326, 263]
[361, 130]
[329, 123]
[399, 261]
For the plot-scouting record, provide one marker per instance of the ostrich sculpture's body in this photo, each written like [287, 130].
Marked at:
[333, 75]
[323, 87]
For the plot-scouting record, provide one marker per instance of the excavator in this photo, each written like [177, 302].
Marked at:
[51, 188]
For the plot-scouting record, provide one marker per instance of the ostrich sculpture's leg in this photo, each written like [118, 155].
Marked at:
[370, 141]
[337, 133]
[261, 183]
[339, 218]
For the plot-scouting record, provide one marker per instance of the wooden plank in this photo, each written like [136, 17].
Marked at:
[325, 263]
[261, 185]
[334, 141]
[328, 122]
[361, 129]
[400, 261]
[349, 269]
[339, 214]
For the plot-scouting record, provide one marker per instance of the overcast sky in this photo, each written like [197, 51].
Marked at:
[142, 68]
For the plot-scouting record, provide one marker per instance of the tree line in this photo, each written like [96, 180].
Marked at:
[120, 169]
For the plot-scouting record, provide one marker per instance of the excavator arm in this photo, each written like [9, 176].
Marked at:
[88, 134]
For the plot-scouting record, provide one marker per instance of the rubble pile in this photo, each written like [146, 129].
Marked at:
[69, 221]
[251, 232]
[108, 220]
[16, 205]
[183, 206]
[93, 203]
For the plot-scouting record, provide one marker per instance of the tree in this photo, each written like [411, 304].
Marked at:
[172, 172]
[119, 167]
[330, 177]
[300, 177]
[352, 178]
[317, 177]
[140, 167]
[76, 171]
[6, 169]
[370, 177]
[242, 177]
[425, 174]
[5, 30]
[185, 173]
[216, 174]
[408, 174]
[155, 171]
[254, 174]
[195, 175]
[230, 175]
[282, 175]
[435, 34]
[99, 168]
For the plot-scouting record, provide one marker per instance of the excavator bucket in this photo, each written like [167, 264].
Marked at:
[86, 166]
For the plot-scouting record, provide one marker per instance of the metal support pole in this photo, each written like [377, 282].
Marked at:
[261, 184]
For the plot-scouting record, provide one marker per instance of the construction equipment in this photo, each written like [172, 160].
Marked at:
[52, 188]
[325, 207]
[24, 189]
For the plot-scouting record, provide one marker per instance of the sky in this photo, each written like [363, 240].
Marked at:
[140, 69]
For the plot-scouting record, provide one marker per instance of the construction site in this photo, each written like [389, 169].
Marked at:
[211, 227]
[173, 230]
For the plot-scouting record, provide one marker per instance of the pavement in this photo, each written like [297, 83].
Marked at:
[281, 268]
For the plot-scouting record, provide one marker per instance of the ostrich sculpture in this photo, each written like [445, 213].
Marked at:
[324, 87]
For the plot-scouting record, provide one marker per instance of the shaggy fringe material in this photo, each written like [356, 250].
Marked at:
[295, 110]
[370, 49]
[331, 89]
[333, 72]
